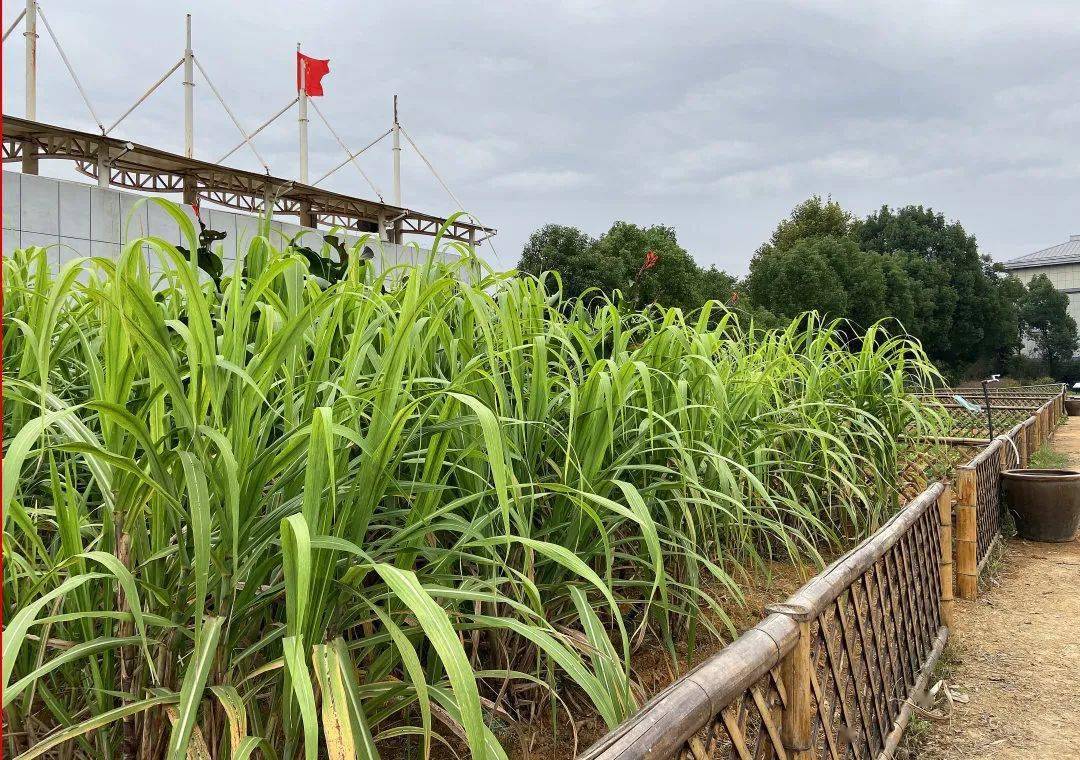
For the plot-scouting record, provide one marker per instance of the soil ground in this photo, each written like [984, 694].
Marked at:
[1015, 654]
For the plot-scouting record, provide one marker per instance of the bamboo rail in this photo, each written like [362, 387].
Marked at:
[978, 491]
[833, 672]
[831, 668]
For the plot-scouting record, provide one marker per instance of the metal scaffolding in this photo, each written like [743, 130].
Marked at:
[140, 167]
[124, 164]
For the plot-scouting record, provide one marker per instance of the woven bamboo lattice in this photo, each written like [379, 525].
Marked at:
[832, 672]
[979, 505]
[920, 464]
[1044, 391]
[965, 424]
[863, 634]
[949, 398]
[987, 467]
[876, 627]
[730, 706]
[1009, 407]
[1004, 453]
[1014, 446]
[749, 727]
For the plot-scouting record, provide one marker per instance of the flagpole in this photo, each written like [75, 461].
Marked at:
[189, 91]
[302, 117]
[397, 156]
[30, 162]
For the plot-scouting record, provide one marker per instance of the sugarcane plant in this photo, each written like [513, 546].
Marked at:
[406, 508]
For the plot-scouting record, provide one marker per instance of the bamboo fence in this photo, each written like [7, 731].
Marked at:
[834, 671]
[978, 491]
[1009, 407]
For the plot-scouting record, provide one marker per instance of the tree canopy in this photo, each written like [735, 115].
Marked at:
[571, 253]
[1047, 323]
[616, 261]
[909, 266]
[943, 259]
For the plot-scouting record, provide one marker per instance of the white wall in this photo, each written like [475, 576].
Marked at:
[78, 219]
[1064, 277]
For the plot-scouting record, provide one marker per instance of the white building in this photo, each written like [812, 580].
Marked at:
[79, 219]
[73, 219]
[1060, 263]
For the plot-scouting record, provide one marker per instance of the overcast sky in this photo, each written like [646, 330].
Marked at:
[715, 118]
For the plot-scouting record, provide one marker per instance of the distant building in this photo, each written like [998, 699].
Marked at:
[1060, 263]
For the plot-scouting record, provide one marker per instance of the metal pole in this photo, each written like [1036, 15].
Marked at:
[15, 23]
[103, 166]
[145, 95]
[71, 69]
[261, 127]
[30, 162]
[235, 121]
[351, 156]
[189, 92]
[302, 118]
[397, 156]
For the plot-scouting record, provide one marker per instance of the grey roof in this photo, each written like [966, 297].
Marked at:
[1062, 253]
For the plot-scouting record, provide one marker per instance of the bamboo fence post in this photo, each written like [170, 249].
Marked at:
[944, 504]
[1021, 447]
[967, 533]
[795, 674]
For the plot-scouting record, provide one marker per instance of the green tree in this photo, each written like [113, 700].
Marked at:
[1046, 321]
[965, 321]
[813, 218]
[571, 253]
[835, 277]
[933, 302]
[790, 280]
[673, 281]
[901, 294]
[1003, 323]
[717, 285]
[616, 262]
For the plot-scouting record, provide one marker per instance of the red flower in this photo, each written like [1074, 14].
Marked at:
[651, 260]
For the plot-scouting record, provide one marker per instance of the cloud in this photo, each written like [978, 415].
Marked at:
[541, 181]
[715, 118]
[857, 162]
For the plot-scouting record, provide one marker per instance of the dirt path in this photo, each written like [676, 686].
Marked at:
[1016, 655]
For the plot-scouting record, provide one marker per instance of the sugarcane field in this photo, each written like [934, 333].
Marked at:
[559, 381]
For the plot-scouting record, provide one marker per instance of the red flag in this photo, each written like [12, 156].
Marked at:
[309, 73]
